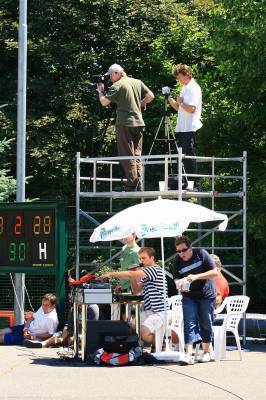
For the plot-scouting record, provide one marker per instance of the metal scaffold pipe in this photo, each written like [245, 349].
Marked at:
[21, 144]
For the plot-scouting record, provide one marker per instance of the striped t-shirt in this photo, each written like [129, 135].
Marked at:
[153, 289]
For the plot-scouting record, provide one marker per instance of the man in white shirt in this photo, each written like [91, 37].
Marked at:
[188, 105]
[40, 326]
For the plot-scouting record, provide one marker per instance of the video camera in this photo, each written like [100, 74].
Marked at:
[100, 79]
[166, 91]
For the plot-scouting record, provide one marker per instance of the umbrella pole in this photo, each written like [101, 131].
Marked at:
[164, 295]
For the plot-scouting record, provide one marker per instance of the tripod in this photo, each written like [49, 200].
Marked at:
[169, 137]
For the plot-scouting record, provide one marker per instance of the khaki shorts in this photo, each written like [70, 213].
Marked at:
[152, 320]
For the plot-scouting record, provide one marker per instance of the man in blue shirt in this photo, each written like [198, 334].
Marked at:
[195, 268]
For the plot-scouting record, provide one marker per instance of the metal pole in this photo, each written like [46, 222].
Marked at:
[21, 144]
[213, 171]
[244, 237]
[180, 163]
[77, 213]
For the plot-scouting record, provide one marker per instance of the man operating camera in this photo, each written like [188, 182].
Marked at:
[131, 97]
[188, 105]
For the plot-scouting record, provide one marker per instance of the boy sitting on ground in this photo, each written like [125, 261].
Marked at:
[65, 337]
[42, 325]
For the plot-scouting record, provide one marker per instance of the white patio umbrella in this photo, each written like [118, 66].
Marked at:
[156, 219]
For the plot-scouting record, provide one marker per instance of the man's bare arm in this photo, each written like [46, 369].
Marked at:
[125, 274]
[179, 103]
[102, 98]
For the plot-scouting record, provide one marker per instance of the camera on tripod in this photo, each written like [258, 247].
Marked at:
[100, 79]
[166, 91]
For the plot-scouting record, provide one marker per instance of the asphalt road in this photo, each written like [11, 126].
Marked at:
[40, 374]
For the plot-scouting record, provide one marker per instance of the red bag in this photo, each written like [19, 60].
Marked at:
[114, 358]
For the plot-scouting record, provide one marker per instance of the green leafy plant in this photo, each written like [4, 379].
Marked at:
[104, 270]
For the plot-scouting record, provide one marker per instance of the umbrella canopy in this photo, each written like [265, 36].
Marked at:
[157, 218]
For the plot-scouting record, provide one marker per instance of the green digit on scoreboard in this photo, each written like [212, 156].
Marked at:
[22, 251]
[12, 251]
[17, 252]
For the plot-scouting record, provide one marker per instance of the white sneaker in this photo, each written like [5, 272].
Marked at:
[206, 357]
[187, 360]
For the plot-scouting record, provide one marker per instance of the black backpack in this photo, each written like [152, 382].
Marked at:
[120, 344]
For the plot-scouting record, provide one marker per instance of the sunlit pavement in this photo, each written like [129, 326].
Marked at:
[40, 374]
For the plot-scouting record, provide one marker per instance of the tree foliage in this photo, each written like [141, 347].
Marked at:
[237, 103]
[7, 183]
[70, 41]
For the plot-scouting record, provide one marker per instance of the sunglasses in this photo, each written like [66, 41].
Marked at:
[182, 250]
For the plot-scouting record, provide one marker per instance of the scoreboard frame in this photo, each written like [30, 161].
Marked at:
[41, 227]
[59, 256]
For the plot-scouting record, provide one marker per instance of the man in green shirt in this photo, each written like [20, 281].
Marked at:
[131, 97]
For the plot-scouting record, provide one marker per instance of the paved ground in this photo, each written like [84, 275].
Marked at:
[40, 374]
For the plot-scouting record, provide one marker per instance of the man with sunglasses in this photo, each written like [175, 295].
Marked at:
[195, 266]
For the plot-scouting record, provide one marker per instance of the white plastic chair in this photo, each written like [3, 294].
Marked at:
[235, 307]
[159, 335]
[175, 321]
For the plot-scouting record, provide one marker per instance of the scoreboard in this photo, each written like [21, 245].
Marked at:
[31, 236]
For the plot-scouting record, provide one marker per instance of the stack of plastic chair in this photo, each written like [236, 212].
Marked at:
[235, 308]
[175, 321]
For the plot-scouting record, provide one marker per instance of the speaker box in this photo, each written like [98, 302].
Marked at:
[96, 330]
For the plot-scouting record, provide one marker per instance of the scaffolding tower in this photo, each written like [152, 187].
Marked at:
[223, 182]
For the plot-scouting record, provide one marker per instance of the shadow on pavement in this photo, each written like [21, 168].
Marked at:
[56, 362]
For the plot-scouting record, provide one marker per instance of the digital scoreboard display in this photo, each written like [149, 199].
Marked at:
[27, 236]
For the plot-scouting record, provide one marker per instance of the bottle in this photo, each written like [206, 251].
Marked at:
[186, 285]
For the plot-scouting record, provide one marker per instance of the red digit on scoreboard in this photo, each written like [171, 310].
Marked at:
[18, 225]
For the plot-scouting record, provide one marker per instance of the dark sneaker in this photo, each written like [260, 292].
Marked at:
[148, 347]
[131, 189]
[33, 344]
[119, 189]
[139, 187]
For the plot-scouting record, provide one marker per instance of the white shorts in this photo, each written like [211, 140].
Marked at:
[151, 319]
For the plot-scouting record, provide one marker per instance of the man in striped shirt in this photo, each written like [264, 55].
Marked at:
[150, 279]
